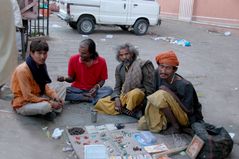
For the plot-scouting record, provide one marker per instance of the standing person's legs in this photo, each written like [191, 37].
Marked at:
[101, 93]
[35, 108]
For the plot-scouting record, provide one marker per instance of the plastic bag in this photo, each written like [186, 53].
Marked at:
[145, 138]
[218, 143]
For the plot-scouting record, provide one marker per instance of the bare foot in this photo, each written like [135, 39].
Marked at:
[118, 109]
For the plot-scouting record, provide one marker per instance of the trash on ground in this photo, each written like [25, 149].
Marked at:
[55, 26]
[172, 40]
[182, 42]
[227, 33]
[68, 143]
[68, 148]
[109, 36]
[232, 135]
[57, 133]
[46, 131]
[102, 39]
[85, 36]
[200, 94]
[72, 154]
[216, 32]
[168, 39]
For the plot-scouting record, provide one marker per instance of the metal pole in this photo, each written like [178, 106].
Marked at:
[48, 12]
[38, 17]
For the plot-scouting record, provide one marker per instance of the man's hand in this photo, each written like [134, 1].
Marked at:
[118, 105]
[67, 79]
[57, 103]
[93, 91]
[61, 78]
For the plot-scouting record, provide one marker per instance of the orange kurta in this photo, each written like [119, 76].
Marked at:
[25, 89]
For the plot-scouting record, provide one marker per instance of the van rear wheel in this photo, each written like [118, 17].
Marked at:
[85, 25]
[141, 27]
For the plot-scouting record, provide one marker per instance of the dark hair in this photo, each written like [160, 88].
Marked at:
[39, 45]
[132, 50]
[91, 47]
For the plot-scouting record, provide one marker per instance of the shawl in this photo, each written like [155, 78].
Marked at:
[39, 74]
[133, 77]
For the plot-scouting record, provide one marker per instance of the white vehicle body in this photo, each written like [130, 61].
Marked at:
[84, 14]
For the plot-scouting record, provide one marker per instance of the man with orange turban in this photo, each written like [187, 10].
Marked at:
[175, 100]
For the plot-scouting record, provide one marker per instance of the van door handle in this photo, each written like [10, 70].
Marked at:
[135, 5]
[124, 5]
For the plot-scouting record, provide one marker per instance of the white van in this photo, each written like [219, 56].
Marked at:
[134, 15]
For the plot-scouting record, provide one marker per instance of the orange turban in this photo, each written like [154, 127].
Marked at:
[168, 57]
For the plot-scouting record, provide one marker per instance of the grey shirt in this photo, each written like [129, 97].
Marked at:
[147, 81]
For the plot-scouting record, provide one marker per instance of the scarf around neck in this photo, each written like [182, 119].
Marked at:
[133, 78]
[40, 74]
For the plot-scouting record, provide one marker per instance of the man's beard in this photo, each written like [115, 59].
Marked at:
[127, 63]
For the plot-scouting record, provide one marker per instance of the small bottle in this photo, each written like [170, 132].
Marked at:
[93, 115]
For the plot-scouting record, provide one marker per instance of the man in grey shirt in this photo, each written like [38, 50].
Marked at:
[134, 81]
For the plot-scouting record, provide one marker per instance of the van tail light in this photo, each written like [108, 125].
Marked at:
[68, 8]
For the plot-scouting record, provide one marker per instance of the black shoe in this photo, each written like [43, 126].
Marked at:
[50, 116]
[135, 114]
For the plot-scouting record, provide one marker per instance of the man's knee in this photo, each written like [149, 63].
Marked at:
[35, 109]
[136, 93]
[106, 90]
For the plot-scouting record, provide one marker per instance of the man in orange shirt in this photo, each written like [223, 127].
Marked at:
[32, 94]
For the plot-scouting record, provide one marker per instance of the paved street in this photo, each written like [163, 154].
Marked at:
[210, 64]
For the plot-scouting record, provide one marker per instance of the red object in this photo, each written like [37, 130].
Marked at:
[44, 12]
[77, 137]
[86, 137]
[87, 77]
[53, 7]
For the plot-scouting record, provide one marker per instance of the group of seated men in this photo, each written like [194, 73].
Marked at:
[157, 97]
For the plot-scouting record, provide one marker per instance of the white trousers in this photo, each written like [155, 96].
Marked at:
[43, 107]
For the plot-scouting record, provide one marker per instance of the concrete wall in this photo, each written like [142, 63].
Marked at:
[225, 12]
[216, 12]
[169, 8]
